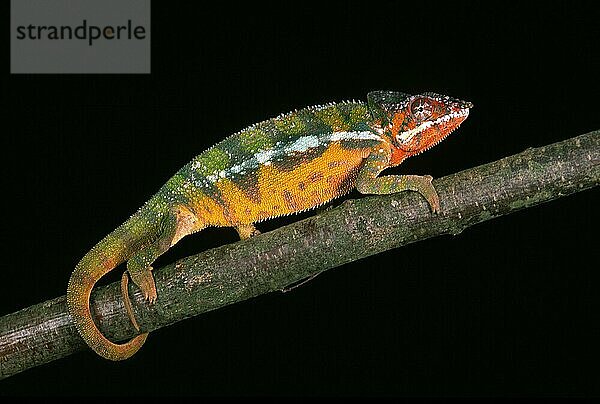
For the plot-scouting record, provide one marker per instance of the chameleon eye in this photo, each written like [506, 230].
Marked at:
[421, 108]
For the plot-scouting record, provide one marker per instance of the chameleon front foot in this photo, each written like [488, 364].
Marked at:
[421, 184]
[425, 188]
[398, 183]
[368, 182]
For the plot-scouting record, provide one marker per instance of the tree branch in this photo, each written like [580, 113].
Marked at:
[271, 261]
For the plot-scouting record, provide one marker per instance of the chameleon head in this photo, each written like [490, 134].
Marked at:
[424, 120]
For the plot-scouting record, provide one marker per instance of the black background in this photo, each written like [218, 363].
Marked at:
[509, 307]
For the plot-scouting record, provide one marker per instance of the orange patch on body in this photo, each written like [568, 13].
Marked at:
[333, 164]
[316, 176]
[289, 200]
[209, 212]
[281, 192]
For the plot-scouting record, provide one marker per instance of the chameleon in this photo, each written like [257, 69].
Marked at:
[288, 164]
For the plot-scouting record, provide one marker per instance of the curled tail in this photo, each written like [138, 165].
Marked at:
[104, 257]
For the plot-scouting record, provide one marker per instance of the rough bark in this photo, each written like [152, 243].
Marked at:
[356, 229]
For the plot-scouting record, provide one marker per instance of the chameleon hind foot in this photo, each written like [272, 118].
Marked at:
[145, 281]
[140, 270]
[127, 301]
[246, 231]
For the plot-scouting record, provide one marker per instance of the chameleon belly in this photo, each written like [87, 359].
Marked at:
[280, 192]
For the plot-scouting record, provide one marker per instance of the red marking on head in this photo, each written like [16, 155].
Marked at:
[423, 121]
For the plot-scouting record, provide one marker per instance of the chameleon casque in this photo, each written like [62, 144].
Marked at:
[294, 162]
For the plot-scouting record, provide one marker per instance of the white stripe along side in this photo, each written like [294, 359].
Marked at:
[279, 152]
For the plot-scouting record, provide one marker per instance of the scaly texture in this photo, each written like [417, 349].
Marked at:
[284, 165]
